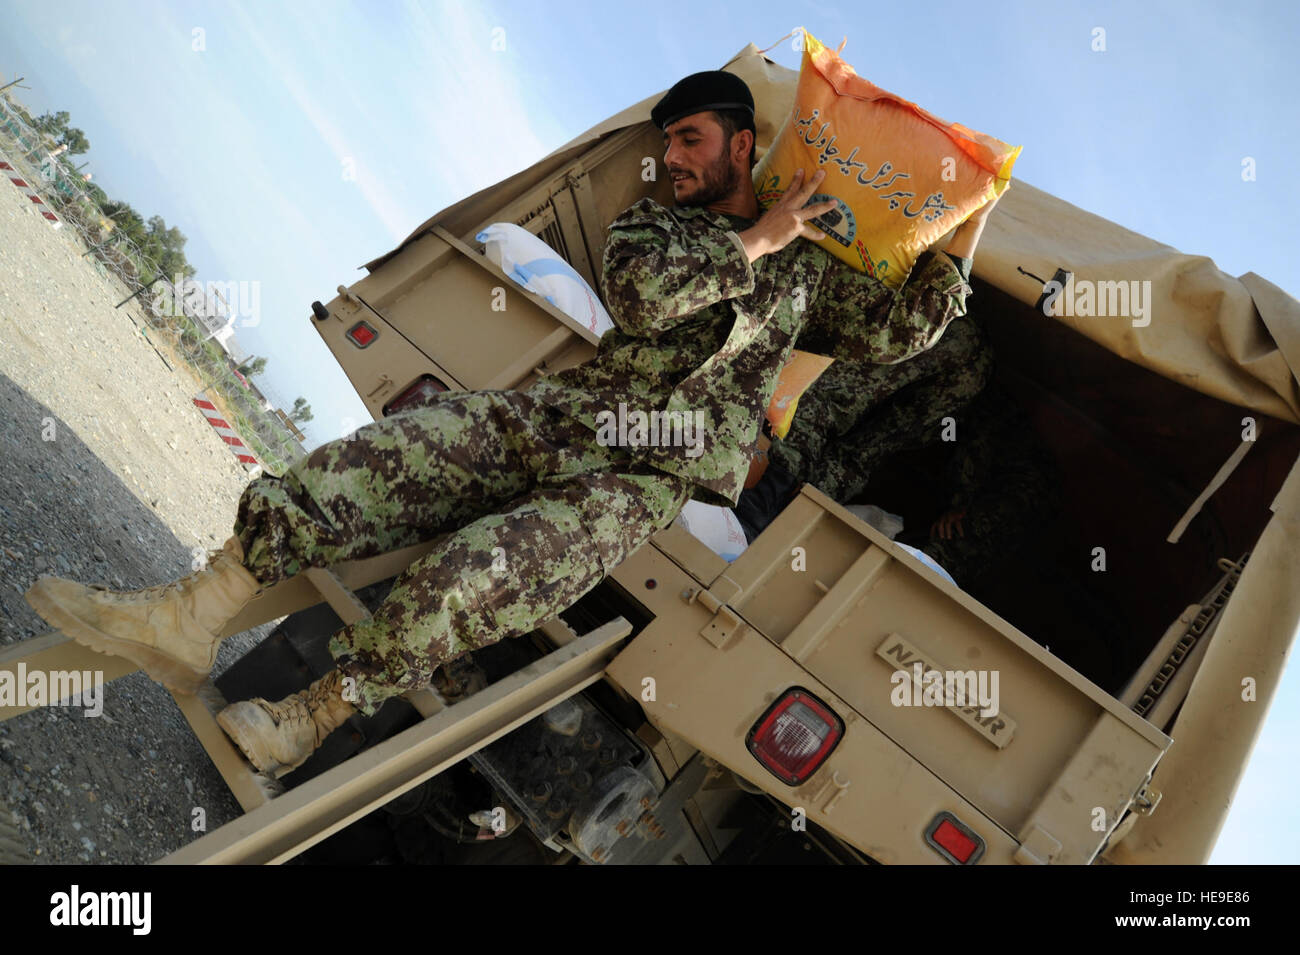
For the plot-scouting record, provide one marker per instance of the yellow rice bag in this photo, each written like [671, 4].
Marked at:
[800, 371]
[901, 176]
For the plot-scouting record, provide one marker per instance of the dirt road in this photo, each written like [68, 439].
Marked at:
[108, 474]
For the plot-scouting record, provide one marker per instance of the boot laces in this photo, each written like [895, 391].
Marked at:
[325, 704]
[317, 695]
[318, 705]
[293, 710]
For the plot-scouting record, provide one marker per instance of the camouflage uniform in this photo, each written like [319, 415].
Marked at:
[534, 514]
[857, 413]
[1003, 478]
[699, 329]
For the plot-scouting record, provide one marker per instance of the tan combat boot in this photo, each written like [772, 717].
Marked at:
[277, 738]
[170, 632]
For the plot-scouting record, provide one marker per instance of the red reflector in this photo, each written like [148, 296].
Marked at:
[952, 839]
[362, 334]
[955, 841]
[416, 396]
[795, 736]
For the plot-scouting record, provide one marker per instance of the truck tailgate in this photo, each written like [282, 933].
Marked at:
[823, 601]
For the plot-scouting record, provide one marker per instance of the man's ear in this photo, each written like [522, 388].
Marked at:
[745, 141]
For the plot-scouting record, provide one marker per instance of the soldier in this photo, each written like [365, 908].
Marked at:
[1000, 485]
[857, 414]
[536, 502]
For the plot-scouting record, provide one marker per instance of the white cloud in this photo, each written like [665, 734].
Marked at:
[390, 212]
[470, 98]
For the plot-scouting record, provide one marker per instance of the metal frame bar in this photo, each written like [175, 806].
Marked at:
[250, 788]
[56, 651]
[294, 822]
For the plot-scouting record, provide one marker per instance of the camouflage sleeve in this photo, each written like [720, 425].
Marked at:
[969, 469]
[655, 274]
[855, 316]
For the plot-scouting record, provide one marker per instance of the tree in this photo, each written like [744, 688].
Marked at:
[75, 140]
[128, 221]
[166, 246]
[56, 126]
[98, 194]
[254, 366]
[301, 412]
[52, 123]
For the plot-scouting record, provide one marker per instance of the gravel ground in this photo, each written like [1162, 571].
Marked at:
[108, 474]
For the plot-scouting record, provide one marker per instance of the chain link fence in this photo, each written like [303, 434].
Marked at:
[160, 307]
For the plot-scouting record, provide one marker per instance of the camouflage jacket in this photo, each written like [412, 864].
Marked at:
[702, 335]
[998, 457]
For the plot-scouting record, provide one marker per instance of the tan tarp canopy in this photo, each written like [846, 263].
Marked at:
[1236, 339]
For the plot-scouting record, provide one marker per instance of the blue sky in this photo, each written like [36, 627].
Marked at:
[245, 144]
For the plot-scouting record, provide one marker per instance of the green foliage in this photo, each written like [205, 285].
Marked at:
[51, 123]
[97, 194]
[142, 250]
[254, 366]
[75, 140]
[56, 126]
[301, 411]
[17, 108]
[162, 248]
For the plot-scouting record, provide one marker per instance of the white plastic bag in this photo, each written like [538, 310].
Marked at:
[891, 525]
[717, 527]
[929, 561]
[537, 267]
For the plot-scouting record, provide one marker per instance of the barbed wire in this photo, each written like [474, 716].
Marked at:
[117, 255]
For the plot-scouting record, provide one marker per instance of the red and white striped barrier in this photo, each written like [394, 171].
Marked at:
[227, 433]
[25, 186]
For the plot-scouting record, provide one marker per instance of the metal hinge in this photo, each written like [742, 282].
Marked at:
[1145, 802]
[725, 621]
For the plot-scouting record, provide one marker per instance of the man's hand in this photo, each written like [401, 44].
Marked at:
[967, 236]
[979, 215]
[787, 219]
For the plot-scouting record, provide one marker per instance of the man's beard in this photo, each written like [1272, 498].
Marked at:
[718, 182]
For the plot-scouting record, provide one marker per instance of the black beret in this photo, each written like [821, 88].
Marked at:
[712, 89]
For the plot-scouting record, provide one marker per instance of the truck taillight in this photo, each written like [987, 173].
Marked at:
[794, 737]
[416, 396]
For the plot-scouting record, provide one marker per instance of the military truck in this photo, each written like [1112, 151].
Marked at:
[693, 709]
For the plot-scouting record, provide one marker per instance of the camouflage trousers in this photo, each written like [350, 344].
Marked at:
[530, 513]
[858, 413]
